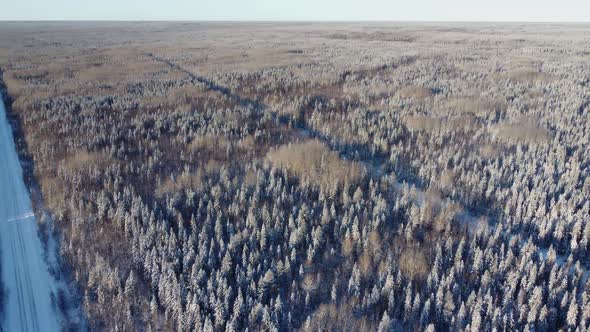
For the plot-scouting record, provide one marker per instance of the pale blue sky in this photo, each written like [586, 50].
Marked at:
[404, 10]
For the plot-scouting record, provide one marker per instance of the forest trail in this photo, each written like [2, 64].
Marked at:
[467, 219]
[28, 285]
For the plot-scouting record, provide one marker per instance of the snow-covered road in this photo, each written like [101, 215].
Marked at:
[27, 282]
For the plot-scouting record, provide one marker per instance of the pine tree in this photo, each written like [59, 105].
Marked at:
[572, 312]
[385, 323]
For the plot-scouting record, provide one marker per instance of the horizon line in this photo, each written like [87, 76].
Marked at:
[290, 21]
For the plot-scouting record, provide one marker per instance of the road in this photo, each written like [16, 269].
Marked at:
[27, 282]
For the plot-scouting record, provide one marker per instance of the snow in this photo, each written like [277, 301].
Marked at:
[25, 276]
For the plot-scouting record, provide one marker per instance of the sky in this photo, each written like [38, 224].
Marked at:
[299, 10]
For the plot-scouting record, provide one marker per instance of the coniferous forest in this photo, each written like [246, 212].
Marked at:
[307, 176]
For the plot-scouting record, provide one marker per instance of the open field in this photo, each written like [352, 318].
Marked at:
[312, 176]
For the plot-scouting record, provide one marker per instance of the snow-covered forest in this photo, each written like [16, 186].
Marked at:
[314, 177]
